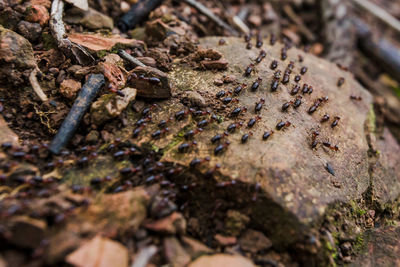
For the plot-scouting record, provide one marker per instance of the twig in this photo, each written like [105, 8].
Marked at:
[240, 24]
[75, 115]
[137, 14]
[379, 13]
[294, 18]
[203, 9]
[71, 49]
[144, 256]
[382, 52]
[130, 58]
[36, 86]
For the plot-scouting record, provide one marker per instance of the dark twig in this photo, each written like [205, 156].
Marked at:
[380, 51]
[137, 14]
[73, 50]
[203, 9]
[75, 115]
[130, 58]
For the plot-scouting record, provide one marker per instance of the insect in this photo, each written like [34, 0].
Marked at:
[329, 169]
[253, 121]
[259, 41]
[267, 134]
[340, 81]
[245, 137]
[285, 78]
[286, 105]
[305, 88]
[249, 45]
[183, 148]
[247, 38]
[277, 74]
[261, 56]
[196, 113]
[221, 42]
[218, 137]
[273, 39]
[317, 103]
[328, 145]
[232, 127]
[295, 89]
[189, 134]
[163, 123]
[220, 94]
[220, 148]
[274, 85]
[143, 120]
[297, 102]
[195, 162]
[303, 70]
[249, 70]
[138, 130]
[358, 98]
[239, 89]
[290, 66]
[280, 125]
[256, 84]
[274, 64]
[147, 110]
[229, 99]
[284, 53]
[158, 133]
[237, 111]
[335, 121]
[259, 105]
[325, 118]
[180, 115]
[297, 78]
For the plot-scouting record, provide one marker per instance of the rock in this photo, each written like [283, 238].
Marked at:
[235, 222]
[15, 50]
[380, 247]
[98, 43]
[92, 137]
[38, 13]
[91, 19]
[114, 59]
[115, 75]
[225, 240]
[209, 54]
[194, 99]
[98, 252]
[27, 232]
[6, 134]
[82, 4]
[173, 224]
[219, 260]
[175, 253]
[194, 247]
[31, 31]
[150, 88]
[60, 244]
[69, 88]
[109, 106]
[254, 241]
[161, 207]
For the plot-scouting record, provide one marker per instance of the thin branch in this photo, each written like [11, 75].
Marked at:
[36, 86]
[57, 27]
[207, 12]
[240, 24]
[379, 13]
[297, 20]
[130, 58]
[144, 256]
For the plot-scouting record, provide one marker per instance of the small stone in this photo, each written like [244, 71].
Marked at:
[27, 232]
[38, 13]
[219, 260]
[92, 137]
[99, 252]
[114, 59]
[255, 20]
[175, 253]
[91, 19]
[173, 224]
[6, 134]
[194, 247]
[31, 31]
[218, 82]
[225, 240]
[109, 106]
[147, 88]
[254, 241]
[220, 64]
[69, 88]
[345, 248]
[194, 99]
[235, 222]
[210, 54]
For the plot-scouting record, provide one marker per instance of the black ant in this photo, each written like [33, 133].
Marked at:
[147, 110]
[220, 94]
[218, 137]
[253, 121]
[274, 64]
[158, 133]
[195, 162]
[314, 141]
[232, 127]
[210, 172]
[229, 99]
[249, 46]
[295, 89]
[267, 134]
[249, 70]
[340, 81]
[143, 120]
[273, 39]
[237, 111]
[325, 118]
[180, 115]
[283, 53]
[354, 97]
[183, 148]
[261, 56]
[303, 70]
[274, 85]
[138, 130]
[122, 153]
[277, 74]
[282, 124]
[297, 78]
[189, 134]
[259, 41]
[305, 88]
[259, 105]
[335, 121]
[286, 105]
[328, 145]
[246, 136]
[163, 123]
[239, 89]
[221, 42]
[297, 102]
[256, 84]
[218, 150]
[247, 38]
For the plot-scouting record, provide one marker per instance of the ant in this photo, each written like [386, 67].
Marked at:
[259, 41]
[232, 127]
[340, 81]
[297, 78]
[303, 70]
[195, 162]
[218, 137]
[180, 115]
[229, 99]
[325, 118]
[205, 122]
[143, 120]
[253, 121]
[259, 105]
[237, 111]
[249, 46]
[247, 38]
[301, 58]
[249, 70]
[274, 64]
[210, 173]
[163, 123]
[121, 153]
[256, 84]
[239, 89]
[199, 112]
[335, 121]
[314, 142]
[220, 94]
[317, 103]
[273, 39]
[286, 105]
[183, 148]
[305, 88]
[328, 145]
[218, 150]
[283, 53]
[274, 85]
[147, 110]
[137, 130]
[221, 42]
[267, 134]
[295, 89]
[297, 102]
[282, 124]
[285, 78]
[358, 98]
[290, 66]
[158, 133]
[245, 137]
[261, 56]
[189, 134]
[226, 183]
[277, 74]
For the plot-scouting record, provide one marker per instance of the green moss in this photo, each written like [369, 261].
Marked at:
[48, 41]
